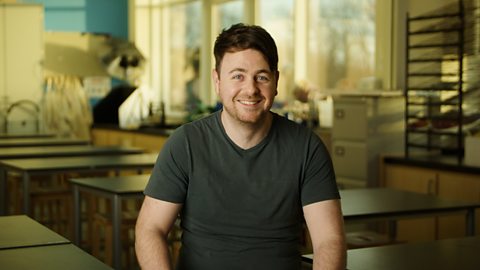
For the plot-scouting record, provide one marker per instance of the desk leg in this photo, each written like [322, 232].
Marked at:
[26, 193]
[77, 223]
[3, 192]
[470, 222]
[392, 229]
[116, 223]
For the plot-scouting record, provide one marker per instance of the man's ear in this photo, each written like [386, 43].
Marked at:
[216, 80]
[277, 76]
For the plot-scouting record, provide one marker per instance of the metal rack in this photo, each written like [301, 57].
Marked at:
[440, 64]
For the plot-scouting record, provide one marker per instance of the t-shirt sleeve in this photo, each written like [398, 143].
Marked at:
[319, 182]
[169, 177]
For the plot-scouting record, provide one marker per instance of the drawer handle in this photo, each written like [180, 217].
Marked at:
[339, 113]
[339, 150]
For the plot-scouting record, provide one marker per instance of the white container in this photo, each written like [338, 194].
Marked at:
[472, 151]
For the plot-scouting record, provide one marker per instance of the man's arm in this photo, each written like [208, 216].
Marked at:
[154, 222]
[325, 224]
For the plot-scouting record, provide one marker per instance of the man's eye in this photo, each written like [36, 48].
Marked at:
[237, 77]
[262, 78]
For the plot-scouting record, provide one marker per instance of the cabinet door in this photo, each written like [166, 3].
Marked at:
[463, 187]
[99, 136]
[2, 58]
[150, 143]
[21, 54]
[416, 180]
[23, 51]
[120, 138]
[410, 178]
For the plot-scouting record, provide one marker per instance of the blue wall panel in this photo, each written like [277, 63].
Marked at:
[95, 16]
[108, 16]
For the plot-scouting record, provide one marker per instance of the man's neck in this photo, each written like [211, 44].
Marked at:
[246, 135]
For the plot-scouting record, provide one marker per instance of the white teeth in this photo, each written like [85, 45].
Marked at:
[248, 102]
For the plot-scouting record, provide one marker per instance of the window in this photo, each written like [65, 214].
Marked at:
[183, 57]
[277, 18]
[226, 14]
[341, 43]
[331, 44]
[169, 34]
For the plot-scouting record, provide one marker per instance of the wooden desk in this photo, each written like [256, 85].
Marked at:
[22, 231]
[391, 204]
[53, 257]
[26, 142]
[116, 189]
[65, 151]
[45, 166]
[447, 254]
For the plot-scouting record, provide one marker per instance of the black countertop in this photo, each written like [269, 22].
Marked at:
[434, 162]
[150, 130]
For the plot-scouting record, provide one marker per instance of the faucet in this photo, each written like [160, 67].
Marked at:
[19, 103]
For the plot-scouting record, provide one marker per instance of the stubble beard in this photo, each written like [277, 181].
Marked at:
[253, 117]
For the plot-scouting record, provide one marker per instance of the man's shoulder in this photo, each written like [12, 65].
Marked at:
[207, 122]
[197, 129]
[289, 127]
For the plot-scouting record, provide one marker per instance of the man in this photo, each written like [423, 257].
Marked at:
[243, 179]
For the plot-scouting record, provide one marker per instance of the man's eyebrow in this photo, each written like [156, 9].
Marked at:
[244, 70]
[236, 70]
[264, 71]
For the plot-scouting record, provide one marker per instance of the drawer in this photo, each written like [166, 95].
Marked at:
[349, 120]
[350, 159]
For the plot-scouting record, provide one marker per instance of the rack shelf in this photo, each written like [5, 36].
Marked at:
[436, 82]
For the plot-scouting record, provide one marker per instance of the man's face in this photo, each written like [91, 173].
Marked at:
[246, 86]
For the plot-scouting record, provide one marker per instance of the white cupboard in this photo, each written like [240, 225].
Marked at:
[21, 57]
[364, 127]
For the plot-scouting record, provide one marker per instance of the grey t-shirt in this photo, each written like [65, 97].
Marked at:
[242, 209]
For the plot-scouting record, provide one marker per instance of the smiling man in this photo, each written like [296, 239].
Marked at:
[244, 179]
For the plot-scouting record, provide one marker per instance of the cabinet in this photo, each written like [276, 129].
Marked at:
[443, 183]
[416, 180]
[21, 56]
[442, 84]
[457, 186]
[363, 128]
[148, 142]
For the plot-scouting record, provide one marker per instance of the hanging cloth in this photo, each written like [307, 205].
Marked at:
[66, 110]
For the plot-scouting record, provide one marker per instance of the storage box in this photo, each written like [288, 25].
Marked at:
[472, 151]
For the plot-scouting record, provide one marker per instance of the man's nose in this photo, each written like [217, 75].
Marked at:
[251, 86]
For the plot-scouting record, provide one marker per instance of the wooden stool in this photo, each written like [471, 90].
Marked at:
[102, 240]
[175, 242]
[53, 208]
[51, 203]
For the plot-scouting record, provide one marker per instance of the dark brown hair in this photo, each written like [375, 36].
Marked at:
[241, 37]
